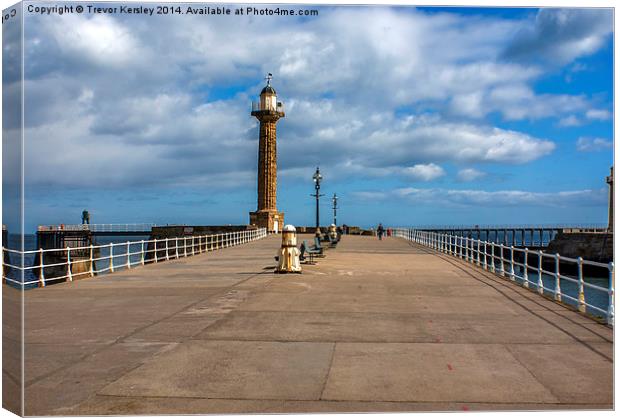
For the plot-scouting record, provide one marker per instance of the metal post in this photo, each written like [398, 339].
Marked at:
[41, 269]
[582, 296]
[128, 256]
[193, 246]
[484, 261]
[91, 269]
[184, 246]
[610, 308]
[558, 290]
[111, 258]
[502, 270]
[176, 247]
[540, 279]
[493, 256]
[167, 254]
[512, 263]
[526, 282]
[155, 250]
[142, 252]
[478, 251]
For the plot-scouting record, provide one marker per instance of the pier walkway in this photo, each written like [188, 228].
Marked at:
[375, 326]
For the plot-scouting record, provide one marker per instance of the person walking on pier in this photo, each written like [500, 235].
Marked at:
[85, 217]
[380, 231]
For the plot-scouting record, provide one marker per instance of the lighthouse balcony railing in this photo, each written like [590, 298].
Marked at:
[258, 107]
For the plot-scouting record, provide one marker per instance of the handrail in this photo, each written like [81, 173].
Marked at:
[137, 227]
[476, 251]
[118, 255]
[508, 227]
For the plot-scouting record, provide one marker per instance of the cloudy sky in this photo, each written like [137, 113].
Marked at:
[415, 115]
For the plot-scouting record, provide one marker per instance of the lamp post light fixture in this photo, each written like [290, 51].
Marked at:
[335, 202]
[317, 177]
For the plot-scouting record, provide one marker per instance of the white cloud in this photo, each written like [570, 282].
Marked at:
[559, 36]
[598, 114]
[587, 144]
[483, 198]
[180, 87]
[569, 121]
[470, 174]
[424, 172]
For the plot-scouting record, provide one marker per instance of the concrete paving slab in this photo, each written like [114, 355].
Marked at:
[231, 369]
[431, 372]
[69, 386]
[578, 380]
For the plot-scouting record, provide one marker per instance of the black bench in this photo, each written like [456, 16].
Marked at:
[304, 250]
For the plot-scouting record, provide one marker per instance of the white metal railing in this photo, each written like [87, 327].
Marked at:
[500, 259]
[99, 227]
[258, 106]
[107, 258]
[509, 227]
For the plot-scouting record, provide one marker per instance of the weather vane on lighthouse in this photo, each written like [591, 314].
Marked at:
[268, 78]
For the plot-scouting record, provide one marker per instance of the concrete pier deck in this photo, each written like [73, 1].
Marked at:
[375, 326]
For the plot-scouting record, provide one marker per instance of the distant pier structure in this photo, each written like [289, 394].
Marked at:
[268, 110]
[610, 210]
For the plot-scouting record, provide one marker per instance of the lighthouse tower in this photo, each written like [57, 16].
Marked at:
[267, 110]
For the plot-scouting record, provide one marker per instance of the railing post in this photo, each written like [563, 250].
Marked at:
[155, 250]
[193, 246]
[111, 258]
[512, 263]
[167, 255]
[485, 263]
[540, 279]
[128, 256]
[41, 269]
[142, 252]
[558, 289]
[478, 252]
[184, 246]
[493, 256]
[176, 247]
[91, 269]
[502, 270]
[582, 296]
[526, 281]
[610, 308]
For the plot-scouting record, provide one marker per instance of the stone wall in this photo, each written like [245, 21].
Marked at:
[593, 246]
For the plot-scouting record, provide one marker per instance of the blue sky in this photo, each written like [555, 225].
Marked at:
[415, 116]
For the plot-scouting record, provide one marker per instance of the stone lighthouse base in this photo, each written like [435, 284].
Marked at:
[270, 219]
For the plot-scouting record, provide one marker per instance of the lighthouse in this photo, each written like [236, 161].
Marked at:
[268, 110]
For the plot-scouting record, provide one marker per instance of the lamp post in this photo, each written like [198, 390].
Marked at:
[317, 177]
[335, 202]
